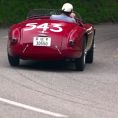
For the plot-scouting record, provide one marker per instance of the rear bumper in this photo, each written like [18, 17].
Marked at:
[50, 54]
[44, 53]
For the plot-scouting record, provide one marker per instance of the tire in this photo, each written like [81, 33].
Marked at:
[90, 54]
[80, 62]
[13, 61]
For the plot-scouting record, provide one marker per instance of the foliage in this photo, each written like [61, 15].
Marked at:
[93, 11]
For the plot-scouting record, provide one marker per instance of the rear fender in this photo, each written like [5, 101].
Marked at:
[76, 35]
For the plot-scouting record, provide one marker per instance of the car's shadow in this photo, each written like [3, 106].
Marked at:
[47, 65]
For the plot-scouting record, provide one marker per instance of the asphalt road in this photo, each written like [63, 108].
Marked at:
[56, 90]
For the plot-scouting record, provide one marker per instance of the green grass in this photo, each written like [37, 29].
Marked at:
[92, 11]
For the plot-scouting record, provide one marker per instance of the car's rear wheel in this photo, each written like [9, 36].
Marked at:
[13, 61]
[80, 62]
[90, 54]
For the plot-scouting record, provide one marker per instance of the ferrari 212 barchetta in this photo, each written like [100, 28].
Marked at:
[40, 38]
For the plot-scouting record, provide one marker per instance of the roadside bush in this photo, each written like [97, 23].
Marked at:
[92, 11]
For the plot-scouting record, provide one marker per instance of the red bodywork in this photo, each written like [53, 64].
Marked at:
[66, 39]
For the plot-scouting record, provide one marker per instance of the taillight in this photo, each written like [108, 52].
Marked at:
[13, 41]
[15, 36]
[71, 43]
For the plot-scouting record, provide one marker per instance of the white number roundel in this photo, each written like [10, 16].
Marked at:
[45, 26]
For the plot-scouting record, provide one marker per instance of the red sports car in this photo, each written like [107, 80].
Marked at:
[40, 38]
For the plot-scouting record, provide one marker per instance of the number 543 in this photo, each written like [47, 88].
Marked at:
[45, 26]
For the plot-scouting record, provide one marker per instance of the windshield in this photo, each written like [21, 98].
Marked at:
[43, 12]
[36, 13]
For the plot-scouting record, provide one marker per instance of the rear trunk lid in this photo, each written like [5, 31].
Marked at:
[46, 35]
[56, 30]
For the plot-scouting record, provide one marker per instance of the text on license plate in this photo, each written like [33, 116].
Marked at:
[41, 41]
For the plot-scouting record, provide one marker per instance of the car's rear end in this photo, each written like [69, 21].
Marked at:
[44, 39]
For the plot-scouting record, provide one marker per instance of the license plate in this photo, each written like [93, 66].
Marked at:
[42, 41]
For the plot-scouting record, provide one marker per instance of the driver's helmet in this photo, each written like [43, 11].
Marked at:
[67, 7]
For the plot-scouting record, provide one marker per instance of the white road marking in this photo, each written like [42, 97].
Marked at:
[33, 108]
